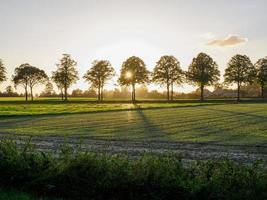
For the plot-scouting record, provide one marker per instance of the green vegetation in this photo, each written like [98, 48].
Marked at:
[97, 176]
[12, 195]
[66, 74]
[203, 71]
[52, 106]
[242, 123]
[15, 195]
[168, 72]
[98, 74]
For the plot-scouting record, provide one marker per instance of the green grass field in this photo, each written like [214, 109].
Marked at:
[53, 106]
[220, 122]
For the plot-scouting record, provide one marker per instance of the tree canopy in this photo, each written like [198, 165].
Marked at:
[100, 72]
[203, 71]
[29, 76]
[2, 71]
[66, 73]
[133, 71]
[239, 70]
[261, 67]
[168, 72]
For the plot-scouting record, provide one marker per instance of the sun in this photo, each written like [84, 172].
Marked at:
[128, 75]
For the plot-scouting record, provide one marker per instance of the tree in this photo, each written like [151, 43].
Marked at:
[239, 70]
[168, 71]
[9, 90]
[66, 74]
[36, 76]
[203, 71]
[28, 76]
[2, 72]
[100, 72]
[58, 78]
[133, 72]
[77, 93]
[261, 67]
[49, 90]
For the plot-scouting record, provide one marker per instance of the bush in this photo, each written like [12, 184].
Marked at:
[77, 175]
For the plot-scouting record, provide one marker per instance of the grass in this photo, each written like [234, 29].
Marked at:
[52, 106]
[220, 122]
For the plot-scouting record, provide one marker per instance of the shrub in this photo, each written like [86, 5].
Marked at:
[82, 175]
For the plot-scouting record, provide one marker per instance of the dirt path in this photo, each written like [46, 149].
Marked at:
[188, 150]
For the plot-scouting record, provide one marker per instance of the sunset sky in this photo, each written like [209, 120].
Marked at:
[40, 31]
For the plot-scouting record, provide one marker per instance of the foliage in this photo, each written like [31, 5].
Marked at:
[2, 72]
[168, 71]
[239, 70]
[77, 175]
[203, 71]
[261, 67]
[29, 76]
[48, 91]
[133, 71]
[100, 72]
[66, 74]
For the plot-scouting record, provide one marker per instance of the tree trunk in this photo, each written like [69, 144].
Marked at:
[66, 93]
[262, 91]
[133, 92]
[62, 96]
[202, 92]
[101, 93]
[26, 93]
[168, 91]
[171, 91]
[98, 92]
[31, 94]
[238, 91]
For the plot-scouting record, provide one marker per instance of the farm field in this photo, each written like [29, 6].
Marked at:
[243, 123]
[54, 106]
[197, 130]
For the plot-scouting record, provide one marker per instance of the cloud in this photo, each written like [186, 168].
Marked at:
[230, 40]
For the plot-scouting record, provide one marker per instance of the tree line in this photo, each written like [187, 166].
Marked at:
[202, 72]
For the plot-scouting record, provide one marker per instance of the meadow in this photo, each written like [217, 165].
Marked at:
[224, 122]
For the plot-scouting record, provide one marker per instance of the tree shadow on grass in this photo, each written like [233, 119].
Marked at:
[151, 130]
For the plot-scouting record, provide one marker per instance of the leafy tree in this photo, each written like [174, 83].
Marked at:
[133, 72]
[58, 78]
[2, 72]
[28, 76]
[239, 70]
[77, 93]
[66, 74]
[49, 90]
[100, 72]
[203, 71]
[261, 67]
[168, 71]
[9, 91]
[36, 76]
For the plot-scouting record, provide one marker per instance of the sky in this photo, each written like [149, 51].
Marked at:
[40, 31]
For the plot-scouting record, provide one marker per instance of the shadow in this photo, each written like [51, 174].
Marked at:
[150, 129]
